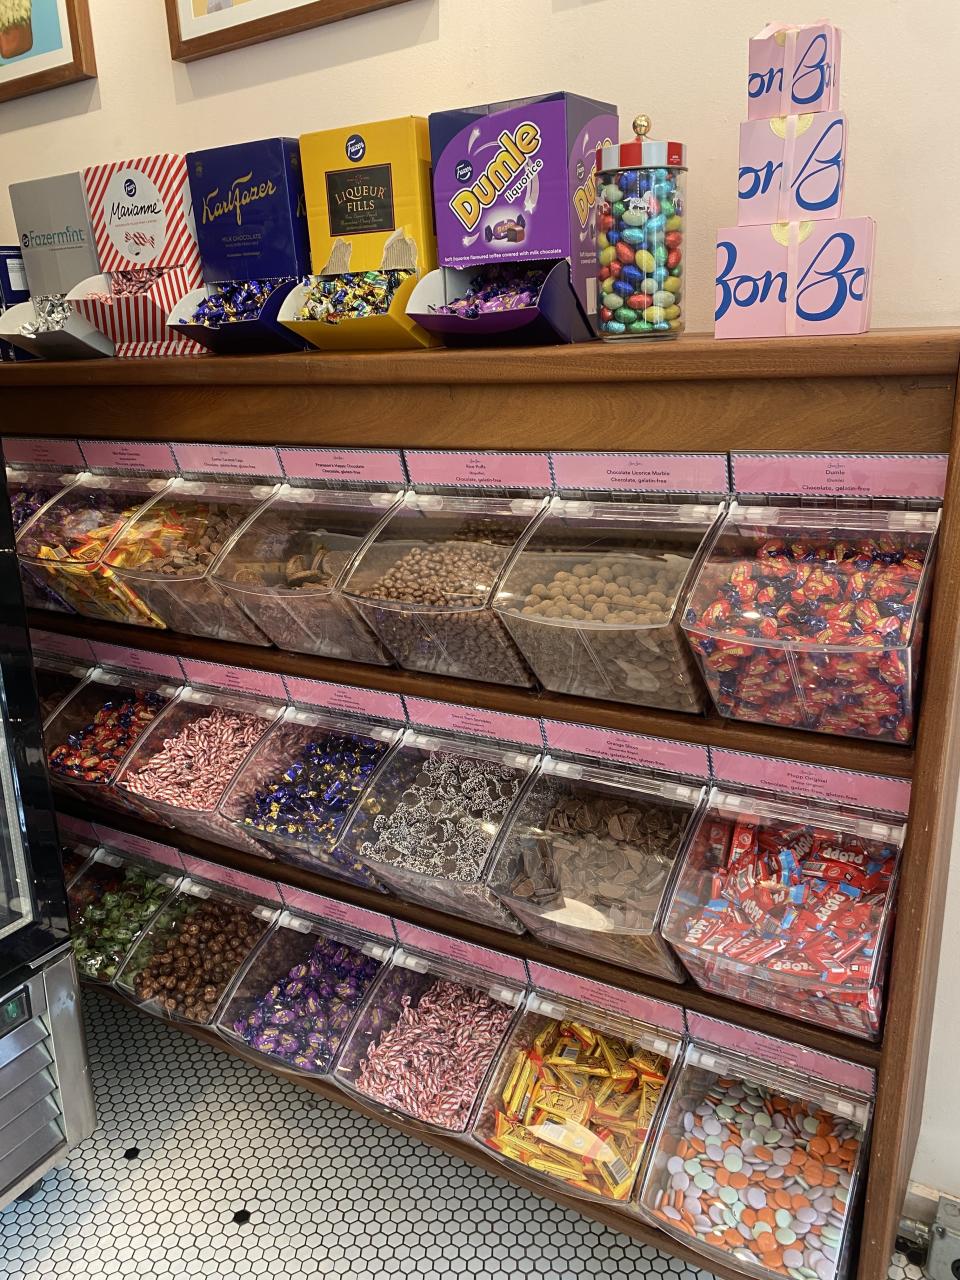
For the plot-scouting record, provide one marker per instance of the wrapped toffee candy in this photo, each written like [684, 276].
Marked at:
[110, 905]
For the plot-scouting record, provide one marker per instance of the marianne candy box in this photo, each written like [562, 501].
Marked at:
[250, 215]
[371, 235]
[514, 193]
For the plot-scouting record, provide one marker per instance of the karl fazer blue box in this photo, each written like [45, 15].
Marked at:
[13, 289]
[250, 211]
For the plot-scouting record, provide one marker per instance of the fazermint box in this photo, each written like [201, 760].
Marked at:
[792, 168]
[249, 210]
[793, 70]
[514, 181]
[53, 227]
[368, 197]
[794, 278]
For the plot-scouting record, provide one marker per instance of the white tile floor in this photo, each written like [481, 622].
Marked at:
[203, 1166]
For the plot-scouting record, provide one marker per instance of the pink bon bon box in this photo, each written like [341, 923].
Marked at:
[792, 168]
[793, 70]
[794, 279]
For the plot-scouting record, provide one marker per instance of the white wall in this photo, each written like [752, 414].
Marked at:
[683, 62]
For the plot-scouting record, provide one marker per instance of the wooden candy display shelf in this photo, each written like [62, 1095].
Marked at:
[888, 391]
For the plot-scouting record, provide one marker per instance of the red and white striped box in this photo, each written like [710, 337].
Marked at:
[142, 215]
[136, 323]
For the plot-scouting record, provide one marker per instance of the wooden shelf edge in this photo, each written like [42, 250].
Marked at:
[883, 353]
[710, 730]
[464, 1150]
[524, 945]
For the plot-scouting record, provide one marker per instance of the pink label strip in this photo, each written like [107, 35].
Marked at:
[363, 466]
[642, 472]
[510, 968]
[124, 842]
[487, 724]
[346, 697]
[157, 664]
[781, 1053]
[228, 459]
[264, 684]
[657, 1013]
[77, 828]
[38, 451]
[846, 475]
[627, 748]
[129, 455]
[815, 782]
[227, 878]
[484, 470]
[59, 646]
[323, 908]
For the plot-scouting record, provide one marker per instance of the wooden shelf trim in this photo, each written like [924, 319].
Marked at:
[464, 1150]
[686, 994]
[709, 730]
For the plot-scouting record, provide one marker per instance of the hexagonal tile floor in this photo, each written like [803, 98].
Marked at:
[203, 1166]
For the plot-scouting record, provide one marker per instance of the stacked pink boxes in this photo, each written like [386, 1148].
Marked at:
[793, 265]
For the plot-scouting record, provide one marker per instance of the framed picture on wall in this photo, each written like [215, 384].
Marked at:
[199, 28]
[43, 44]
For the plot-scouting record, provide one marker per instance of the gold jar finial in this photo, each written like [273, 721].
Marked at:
[641, 125]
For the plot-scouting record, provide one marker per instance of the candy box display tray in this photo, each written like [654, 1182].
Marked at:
[135, 323]
[261, 334]
[77, 340]
[395, 330]
[556, 317]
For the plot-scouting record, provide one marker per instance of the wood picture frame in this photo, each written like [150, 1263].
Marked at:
[66, 31]
[300, 15]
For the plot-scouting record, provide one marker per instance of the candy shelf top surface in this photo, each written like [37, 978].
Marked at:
[705, 730]
[882, 353]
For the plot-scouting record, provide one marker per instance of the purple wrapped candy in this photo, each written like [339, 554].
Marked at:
[497, 288]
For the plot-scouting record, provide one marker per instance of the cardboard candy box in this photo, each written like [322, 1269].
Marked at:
[792, 168]
[794, 278]
[513, 183]
[13, 290]
[793, 70]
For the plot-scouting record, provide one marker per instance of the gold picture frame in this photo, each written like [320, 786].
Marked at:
[46, 44]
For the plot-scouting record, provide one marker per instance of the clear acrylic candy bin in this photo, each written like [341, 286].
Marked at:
[425, 1038]
[574, 1095]
[426, 581]
[588, 861]
[183, 766]
[111, 904]
[296, 792]
[89, 736]
[68, 542]
[427, 824]
[593, 600]
[286, 568]
[57, 679]
[756, 1166]
[75, 853]
[812, 618]
[296, 997]
[168, 555]
[29, 491]
[194, 947]
[789, 905]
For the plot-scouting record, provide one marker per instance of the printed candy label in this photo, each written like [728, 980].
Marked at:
[510, 968]
[227, 459]
[642, 472]
[37, 451]
[228, 878]
[627, 748]
[164, 854]
[129, 455]
[614, 999]
[323, 908]
[780, 1053]
[346, 697]
[816, 782]
[856, 475]
[157, 664]
[359, 466]
[487, 724]
[58, 646]
[484, 470]
[264, 684]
